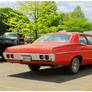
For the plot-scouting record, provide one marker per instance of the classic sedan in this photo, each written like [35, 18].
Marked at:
[69, 49]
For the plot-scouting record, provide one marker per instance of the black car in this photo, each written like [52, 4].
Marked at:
[4, 43]
[13, 36]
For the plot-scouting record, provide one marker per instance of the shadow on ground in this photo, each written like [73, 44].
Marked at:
[57, 75]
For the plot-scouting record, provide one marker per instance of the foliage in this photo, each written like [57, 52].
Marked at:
[78, 13]
[34, 18]
[3, 19]
[16, 22]
[76, 21]
[44, 16]
[77, 24]
[67, 16]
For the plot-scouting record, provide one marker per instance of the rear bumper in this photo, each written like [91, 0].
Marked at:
[35, 59]
[32, 62]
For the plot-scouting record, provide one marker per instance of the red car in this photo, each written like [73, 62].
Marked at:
[69, 49]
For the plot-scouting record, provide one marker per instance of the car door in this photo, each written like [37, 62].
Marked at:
[84, 49]
[89, 48]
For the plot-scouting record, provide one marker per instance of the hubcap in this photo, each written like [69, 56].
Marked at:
[75, 65]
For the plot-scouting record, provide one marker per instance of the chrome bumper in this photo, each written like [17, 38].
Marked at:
[34, 56]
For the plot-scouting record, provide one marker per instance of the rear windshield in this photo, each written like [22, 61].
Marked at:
[54, 38]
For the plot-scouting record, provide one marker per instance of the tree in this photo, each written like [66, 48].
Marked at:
[3, 19]
[18, 22]
[67, 16]
[77, 24]
[35, 18]
[14, 21]
[43, 16]
[78, 13]
[76, 21]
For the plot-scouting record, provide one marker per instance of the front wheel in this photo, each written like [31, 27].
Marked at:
[34, 67]
[74, 66]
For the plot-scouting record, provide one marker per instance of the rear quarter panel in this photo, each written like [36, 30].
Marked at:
[65, 54]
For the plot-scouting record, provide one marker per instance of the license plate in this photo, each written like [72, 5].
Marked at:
[27, 58]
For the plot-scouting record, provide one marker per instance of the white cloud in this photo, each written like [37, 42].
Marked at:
[88, 12]
[7, 4]
[62, 8]
[69, 6]
[80, 3]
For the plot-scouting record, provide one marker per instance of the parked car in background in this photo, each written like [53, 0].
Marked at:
[68, 49]
[13, 36]
[4, 43]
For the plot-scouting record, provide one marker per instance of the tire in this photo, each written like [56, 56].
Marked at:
[34, 67]
[74, 66]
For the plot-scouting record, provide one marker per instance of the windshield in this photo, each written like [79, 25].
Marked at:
[10, 35]
[54, 38]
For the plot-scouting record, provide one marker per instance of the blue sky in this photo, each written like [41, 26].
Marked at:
[67, 6]
[64, 6]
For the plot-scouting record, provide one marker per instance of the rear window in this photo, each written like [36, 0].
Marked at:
[54, 38]
[10, 35]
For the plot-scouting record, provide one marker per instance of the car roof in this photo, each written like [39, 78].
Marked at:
[10, 33]
[73, 33]
[69, 32]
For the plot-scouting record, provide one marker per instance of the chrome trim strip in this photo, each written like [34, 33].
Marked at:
[35, 56]
[74, 51]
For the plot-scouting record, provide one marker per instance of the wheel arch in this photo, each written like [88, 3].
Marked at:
[80, 58]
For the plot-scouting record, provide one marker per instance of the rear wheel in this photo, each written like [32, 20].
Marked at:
[74, 66]
[34, 67]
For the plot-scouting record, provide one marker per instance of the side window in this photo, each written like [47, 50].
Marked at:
[82, 39]
[89, 39]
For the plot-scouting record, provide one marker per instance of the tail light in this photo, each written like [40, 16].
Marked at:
[41, 57]
[8, 56]
[12, 56]
[47, 57]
